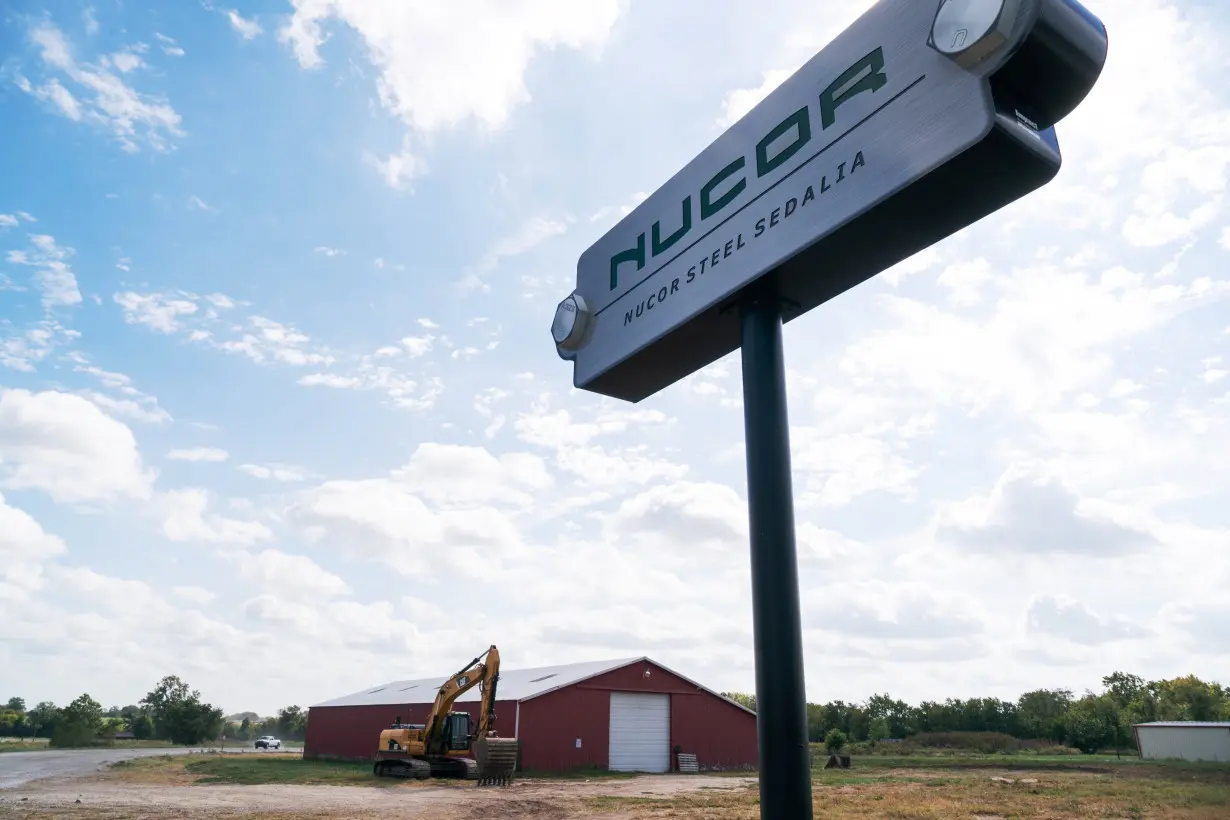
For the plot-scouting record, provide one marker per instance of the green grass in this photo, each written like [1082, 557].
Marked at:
[252, 770]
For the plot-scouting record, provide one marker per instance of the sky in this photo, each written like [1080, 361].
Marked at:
[280, 413]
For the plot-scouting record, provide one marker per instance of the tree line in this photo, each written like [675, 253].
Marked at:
[172, 711]
[1090, 722]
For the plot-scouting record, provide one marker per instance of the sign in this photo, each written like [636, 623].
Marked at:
[919, 119]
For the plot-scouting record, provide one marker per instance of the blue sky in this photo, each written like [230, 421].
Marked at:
[276, 386]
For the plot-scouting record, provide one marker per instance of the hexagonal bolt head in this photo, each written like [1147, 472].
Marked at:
[570, 328]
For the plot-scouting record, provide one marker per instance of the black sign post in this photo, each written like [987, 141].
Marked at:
[781, 697]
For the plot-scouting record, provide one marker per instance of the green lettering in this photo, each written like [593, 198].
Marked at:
[658, 245]
[636, 255]
[799, 120]
[875, 79]
[707, 207]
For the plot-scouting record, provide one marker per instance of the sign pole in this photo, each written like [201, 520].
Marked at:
[781, 698]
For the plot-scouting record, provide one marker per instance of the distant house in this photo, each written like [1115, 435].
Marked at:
[125, 736]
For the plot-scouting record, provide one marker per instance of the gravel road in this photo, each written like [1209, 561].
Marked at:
[17, 768]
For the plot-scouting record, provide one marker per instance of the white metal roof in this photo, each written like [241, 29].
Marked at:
[514, 684]
[1186, 724]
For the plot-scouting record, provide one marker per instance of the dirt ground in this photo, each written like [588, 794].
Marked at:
[106, 796]
[160, 788]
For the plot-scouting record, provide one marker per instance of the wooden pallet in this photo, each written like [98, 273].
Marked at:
[688, 764]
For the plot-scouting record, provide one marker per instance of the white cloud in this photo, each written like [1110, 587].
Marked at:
[67, 447]
[1039, 515]
[24, 548]
[246, 28]
[53, 275]
[275, 472]
[101, 97]
[441, 67]
[529, 235]
[199, 454]
[184, 518]
[155, 311]
[1066, 618]
[289, 576]
[194, 594]
[124, 61]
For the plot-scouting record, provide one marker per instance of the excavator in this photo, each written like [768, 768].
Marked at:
[439, 746]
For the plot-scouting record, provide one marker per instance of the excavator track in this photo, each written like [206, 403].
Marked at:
[496, 760]
[408, 768]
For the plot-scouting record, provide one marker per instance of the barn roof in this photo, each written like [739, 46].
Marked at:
[1187, 724]
[515, 684]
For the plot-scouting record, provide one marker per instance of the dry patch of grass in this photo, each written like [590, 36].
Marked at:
[934, 791]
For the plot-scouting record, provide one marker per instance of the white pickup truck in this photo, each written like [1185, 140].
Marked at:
[268, 742]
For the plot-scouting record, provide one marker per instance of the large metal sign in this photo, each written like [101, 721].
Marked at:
[919, 119]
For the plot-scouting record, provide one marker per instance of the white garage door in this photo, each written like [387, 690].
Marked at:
[640, 732]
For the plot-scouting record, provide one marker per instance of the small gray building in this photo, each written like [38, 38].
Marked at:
[1183, 740]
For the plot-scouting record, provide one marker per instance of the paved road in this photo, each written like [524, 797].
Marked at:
[17, 768]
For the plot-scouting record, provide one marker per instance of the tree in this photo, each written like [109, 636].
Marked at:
[1092, 723]
[179, 715]
[1040, 713]
[141, 726]
[16, 705]
[879, 730]
[80, 724]
[292, 723]
[742, 698]
[835, 741]
[43, 718]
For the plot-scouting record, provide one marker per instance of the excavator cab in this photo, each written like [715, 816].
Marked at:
[458, 731]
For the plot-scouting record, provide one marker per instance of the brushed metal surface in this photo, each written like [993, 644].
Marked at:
[896, 169]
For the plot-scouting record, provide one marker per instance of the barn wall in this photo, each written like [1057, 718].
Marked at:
[718, 733]
[353, 732]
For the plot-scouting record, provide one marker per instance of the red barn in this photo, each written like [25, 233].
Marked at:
[623, 715]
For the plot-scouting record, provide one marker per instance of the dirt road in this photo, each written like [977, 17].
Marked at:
[101, 796]
[19, 768]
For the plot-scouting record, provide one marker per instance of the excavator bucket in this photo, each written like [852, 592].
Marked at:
[497, 760]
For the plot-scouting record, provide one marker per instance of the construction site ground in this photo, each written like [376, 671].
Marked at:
[239, 786]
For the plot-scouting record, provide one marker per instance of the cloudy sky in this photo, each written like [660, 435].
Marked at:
[279, 410]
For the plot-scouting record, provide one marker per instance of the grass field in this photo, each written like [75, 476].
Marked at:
[989, 787]
[997, 789]
[290, 769]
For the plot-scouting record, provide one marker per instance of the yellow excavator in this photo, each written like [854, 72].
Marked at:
[439, 746]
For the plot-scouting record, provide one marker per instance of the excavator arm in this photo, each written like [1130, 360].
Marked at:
[482, 671]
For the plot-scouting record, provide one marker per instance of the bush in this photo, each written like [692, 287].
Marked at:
[986, 743]
[73, 734]
[835, 741]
